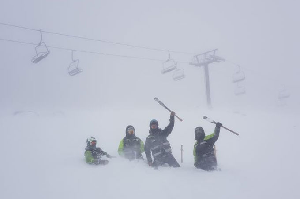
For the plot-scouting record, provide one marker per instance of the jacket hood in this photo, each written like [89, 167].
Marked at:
[199, 133]
[129, 135]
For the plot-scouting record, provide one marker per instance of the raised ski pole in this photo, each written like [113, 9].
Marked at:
[163, 105]
[212, 121]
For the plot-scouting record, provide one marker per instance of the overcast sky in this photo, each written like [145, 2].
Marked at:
[260, 36]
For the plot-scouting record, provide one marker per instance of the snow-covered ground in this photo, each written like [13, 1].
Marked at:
[42, 156]
[122, 56]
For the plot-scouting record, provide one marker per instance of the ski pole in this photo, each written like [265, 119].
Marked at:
[163, 105]
[212, 121]
[181, 150]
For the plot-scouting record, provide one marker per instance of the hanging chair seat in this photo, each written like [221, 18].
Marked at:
[283, 94]
[238, 77]
[39, 57]
[73, 68]
[178, 74]
[239, 90]
[41, 51]
[169, 66]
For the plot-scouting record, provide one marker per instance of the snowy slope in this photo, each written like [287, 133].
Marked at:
[42, 157]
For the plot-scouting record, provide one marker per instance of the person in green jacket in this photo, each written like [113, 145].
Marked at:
[94, 154]
[131, 147]
[205, 157]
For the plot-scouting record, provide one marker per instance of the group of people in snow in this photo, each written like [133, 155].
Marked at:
[131, 147]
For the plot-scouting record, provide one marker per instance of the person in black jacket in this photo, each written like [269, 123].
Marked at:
[157, 144]
[204, 153]
[131, 147]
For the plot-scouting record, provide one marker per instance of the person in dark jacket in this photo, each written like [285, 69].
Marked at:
[131, 147]
[94, 154]
[204, 152]
[157, 144]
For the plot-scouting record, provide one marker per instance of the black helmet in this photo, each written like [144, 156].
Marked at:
[199, 133]
[154, 121]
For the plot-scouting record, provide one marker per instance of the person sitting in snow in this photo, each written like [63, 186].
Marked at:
[93, 154]
[158, 144]
[204, 152]
[131, 147]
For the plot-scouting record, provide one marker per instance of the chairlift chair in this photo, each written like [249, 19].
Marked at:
[169, 66]
[239, 90]
[73, 67]
[178, 74]
[238, 76]
[283, 94]
[26, 113]
[41, 52]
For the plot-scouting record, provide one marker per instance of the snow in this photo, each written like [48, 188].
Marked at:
[42, 157]
[46, 115]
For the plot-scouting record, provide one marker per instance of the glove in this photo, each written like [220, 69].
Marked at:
[109, 156]
[219, 125]
[173, 113]
[98, 150]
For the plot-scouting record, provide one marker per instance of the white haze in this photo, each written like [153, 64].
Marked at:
[42, 152]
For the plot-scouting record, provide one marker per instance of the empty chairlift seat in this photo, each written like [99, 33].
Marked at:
[238, 77]
[239, 90]
[168, 66]
[41, 52]
[178, 74]
[283, 94]
[26, 113]
[73, 68]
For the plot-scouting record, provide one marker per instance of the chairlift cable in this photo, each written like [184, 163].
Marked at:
[110, 42]
[98, 40]
[83, 51]
[107, 54]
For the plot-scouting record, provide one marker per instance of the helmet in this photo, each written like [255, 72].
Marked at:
[91, 141]
[154, 121]
[199, 133]
[130, 131]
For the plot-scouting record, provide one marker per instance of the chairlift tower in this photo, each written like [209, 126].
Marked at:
[204, 59]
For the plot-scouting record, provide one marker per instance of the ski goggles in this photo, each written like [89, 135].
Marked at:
[153, 126]
[130, 130]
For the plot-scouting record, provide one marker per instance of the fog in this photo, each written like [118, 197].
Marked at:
[121, 47]
[261, 37]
